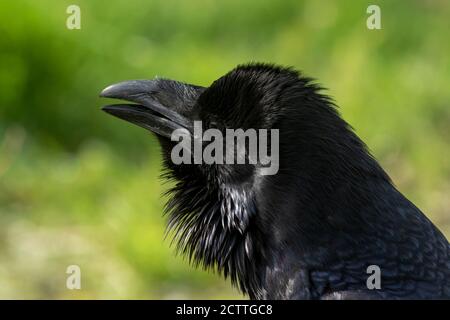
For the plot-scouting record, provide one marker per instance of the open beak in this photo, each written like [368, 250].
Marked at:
[146, 112]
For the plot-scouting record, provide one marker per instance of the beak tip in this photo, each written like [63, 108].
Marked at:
[125, 89]
[107, 92]
[108, 109]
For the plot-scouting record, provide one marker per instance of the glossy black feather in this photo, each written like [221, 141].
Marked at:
[310, 231]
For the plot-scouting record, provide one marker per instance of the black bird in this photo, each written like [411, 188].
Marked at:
[308, 232]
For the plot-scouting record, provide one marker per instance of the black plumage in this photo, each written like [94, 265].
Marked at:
[311, 230]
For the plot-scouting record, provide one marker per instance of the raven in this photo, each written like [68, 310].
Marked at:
[313, 229]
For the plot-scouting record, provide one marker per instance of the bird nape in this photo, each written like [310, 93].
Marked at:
[313, 230]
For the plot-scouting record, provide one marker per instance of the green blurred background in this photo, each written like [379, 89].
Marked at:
[80, 187]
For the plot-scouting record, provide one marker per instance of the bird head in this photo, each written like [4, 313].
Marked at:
[247, 98]
[225, 215]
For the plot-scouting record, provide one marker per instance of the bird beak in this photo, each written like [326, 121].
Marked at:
[147, 112]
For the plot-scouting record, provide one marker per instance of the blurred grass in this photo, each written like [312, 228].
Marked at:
[78, 187]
